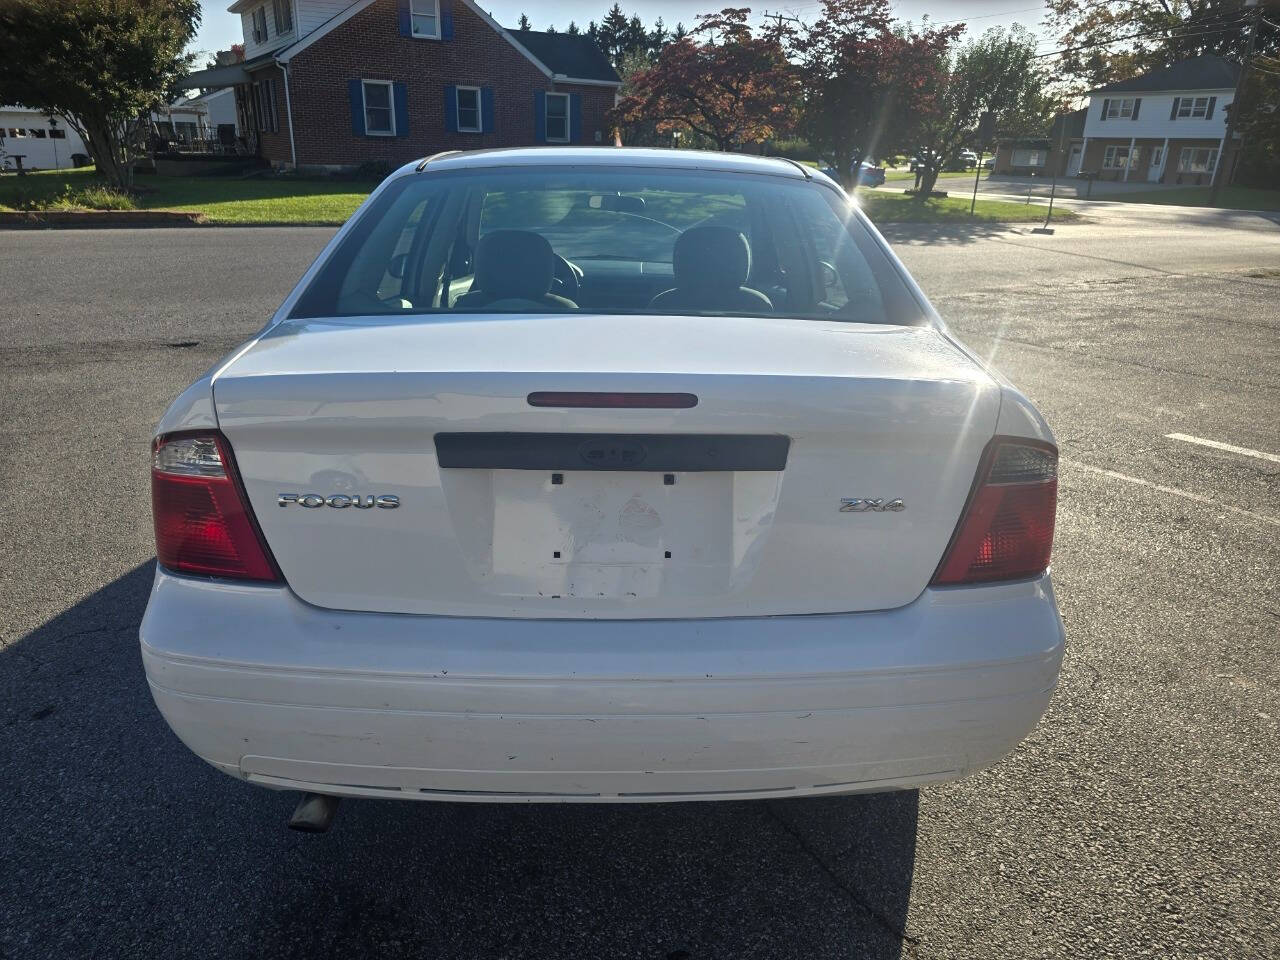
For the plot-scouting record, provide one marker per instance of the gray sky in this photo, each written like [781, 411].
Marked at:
[221, 29]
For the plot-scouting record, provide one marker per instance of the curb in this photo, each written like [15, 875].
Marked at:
[100, 218]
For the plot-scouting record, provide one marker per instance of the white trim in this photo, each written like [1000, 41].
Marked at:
[391, 105]
[439, 34]
[568, 117]
[288, 113]
[583, 82]
[457, 109]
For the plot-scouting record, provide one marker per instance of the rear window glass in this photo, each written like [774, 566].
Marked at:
[605, 240]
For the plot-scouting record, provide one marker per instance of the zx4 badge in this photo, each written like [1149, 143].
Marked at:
[862, 505]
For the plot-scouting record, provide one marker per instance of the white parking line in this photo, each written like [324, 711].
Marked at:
[1217, 445]
[1173, 491]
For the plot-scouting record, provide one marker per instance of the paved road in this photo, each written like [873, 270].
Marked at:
[1141, 819]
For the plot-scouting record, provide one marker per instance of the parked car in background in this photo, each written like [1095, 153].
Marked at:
[989, 163]
[460, 524]
[869, 175]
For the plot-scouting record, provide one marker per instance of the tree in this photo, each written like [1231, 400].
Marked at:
[102, 64]
[573, 29]
[1109, 40]
[612, 36]
[865, 83]
[1257, 120]
[523, 23]
[736, 90]
[996, 73]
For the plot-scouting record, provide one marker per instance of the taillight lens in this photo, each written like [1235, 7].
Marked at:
[202, 520]
[1006, 532]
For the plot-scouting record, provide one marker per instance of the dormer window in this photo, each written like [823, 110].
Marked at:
[259, 19]
[424, 18]
[283, 11]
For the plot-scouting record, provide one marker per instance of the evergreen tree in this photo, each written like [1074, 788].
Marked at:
[524, 23]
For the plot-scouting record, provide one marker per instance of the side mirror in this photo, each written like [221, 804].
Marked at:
[397, 265]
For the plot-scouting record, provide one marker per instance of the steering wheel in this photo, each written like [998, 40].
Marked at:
[567, 279]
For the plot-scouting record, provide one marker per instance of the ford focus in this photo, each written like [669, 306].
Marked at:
[603, 475]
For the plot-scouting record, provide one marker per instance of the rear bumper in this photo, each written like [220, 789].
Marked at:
[287, 695]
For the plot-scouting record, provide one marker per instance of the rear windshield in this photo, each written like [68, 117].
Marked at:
[617, 241]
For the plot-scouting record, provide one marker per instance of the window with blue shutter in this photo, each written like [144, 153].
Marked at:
[486, 109]
[425, 19]
[540, 116]
[357, 107]
[451, 108]
[401, 94]
[575, 118]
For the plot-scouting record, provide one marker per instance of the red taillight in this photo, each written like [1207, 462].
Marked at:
[202, 520]
[1006, 532]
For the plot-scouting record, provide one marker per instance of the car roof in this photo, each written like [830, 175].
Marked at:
[611, 157]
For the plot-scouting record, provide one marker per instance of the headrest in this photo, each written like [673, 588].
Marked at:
[514, 263]
[711, 258]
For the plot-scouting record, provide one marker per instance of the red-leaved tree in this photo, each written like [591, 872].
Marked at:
[724, 81]
[866, 83]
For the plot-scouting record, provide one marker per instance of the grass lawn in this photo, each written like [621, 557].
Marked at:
[884, 207]
[220, 199]
[1233, 198]
[267, 200]
[899, 175]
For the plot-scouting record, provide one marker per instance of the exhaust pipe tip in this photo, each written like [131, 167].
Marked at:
[314, 813]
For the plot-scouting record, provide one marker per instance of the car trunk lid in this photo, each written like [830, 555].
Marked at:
[822, 468]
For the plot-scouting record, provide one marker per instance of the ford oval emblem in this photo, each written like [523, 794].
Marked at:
[612, 453]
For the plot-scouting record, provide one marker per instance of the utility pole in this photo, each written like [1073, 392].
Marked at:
[778, 20]
[1219, 176]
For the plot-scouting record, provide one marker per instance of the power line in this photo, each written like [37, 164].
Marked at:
[1169, 34]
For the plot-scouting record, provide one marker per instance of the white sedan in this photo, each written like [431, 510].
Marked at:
[602, 475]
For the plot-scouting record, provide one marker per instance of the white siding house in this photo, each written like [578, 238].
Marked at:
[42, 145]
[1167, 126]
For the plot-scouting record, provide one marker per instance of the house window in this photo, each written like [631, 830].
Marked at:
[38, 132]
[379, 118]
[1193, 107]
[283, 10]
[259, 18]
[1197, 160]
[17, 132]
[1115, 158]
[424, 17]
[1121, 108]
[468, 109]
[1028, 158]
[557, 118]
[264, 105]
[58, 134]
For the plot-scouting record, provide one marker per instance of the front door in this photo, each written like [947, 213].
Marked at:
[1156, 167]
[1073, 161]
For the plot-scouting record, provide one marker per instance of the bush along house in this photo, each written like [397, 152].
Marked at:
[329, 85]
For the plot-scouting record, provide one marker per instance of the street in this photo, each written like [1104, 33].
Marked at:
[1141, 819]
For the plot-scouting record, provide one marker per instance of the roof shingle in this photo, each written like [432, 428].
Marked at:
[1206, 72]
[573, 55]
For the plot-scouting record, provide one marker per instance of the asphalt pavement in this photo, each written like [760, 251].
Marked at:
[1141, 819]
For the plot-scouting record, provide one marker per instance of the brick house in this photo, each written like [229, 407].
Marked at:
[333, 84]
[1168, 126]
